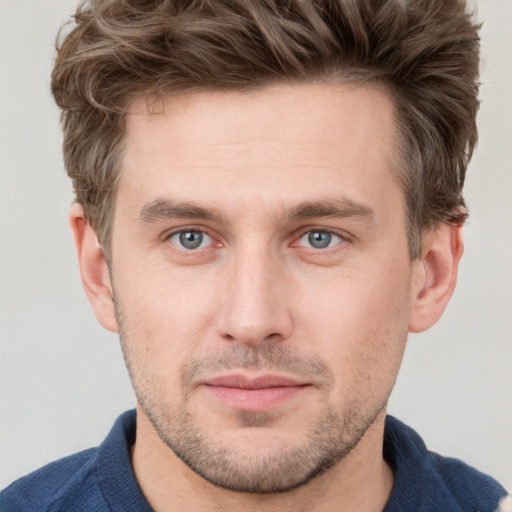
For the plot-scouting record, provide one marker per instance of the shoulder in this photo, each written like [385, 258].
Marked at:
[95, 480]
[470, 488]
[49, 487]
[433, 482]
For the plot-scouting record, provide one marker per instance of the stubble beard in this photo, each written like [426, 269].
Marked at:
[329, 440]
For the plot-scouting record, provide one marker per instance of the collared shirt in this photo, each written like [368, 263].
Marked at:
[102, 479]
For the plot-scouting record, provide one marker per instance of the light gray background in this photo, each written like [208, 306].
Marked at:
[63, 380]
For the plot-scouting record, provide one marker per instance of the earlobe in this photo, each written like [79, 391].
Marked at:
[93, 269]
[435, 276]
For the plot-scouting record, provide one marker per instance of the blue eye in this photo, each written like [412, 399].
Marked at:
[190, 239]
[320, 239]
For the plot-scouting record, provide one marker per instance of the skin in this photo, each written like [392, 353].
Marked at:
[254, 176]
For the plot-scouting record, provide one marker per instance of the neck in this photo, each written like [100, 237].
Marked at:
[361, 481]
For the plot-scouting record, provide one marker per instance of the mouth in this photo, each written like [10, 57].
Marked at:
[260, 393]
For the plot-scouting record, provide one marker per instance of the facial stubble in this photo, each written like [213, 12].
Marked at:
[329, 439]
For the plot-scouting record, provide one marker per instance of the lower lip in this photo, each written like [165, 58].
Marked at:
[255, 399]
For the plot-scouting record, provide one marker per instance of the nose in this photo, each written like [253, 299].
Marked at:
[255, 304]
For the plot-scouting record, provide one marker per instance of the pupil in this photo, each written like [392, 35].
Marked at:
[319, 239]
[191, 239]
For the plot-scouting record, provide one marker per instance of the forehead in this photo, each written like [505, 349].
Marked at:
[329, 113]
[279, 142]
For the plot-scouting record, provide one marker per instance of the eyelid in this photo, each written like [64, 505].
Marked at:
[344, 237]
[180, 229]
[299, 233]
[167, 235]
[205, 241]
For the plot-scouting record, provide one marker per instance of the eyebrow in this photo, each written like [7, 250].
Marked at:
[162, 209]
[336, 208]
[340, 208]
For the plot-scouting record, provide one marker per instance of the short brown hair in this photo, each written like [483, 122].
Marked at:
[425, 52]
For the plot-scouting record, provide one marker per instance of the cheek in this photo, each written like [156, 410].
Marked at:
[164, 317]
[167, 332]
[359, 324]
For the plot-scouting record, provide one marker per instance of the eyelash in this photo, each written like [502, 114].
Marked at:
[342, 238]
[183, 231]
[332, 236]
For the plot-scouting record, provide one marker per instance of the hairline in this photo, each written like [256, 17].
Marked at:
[399, 143]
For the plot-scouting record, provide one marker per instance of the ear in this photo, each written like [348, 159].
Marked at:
[435, 275]
[93, 269]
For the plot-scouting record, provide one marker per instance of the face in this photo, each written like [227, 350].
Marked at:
[261, 277]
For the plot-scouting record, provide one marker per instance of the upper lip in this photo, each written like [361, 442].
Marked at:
[259, 382]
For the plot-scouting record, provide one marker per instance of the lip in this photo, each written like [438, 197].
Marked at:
[259, 393]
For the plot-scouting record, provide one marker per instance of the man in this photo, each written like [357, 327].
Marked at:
[268, 200]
